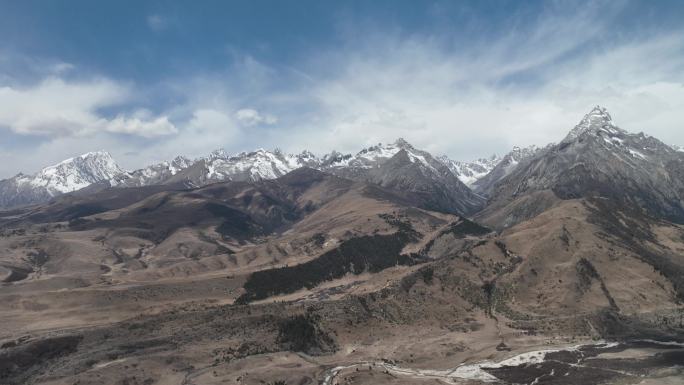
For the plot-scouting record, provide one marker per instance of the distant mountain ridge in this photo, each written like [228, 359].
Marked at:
[402, 167]
[100, 168]
[504, 167]
[471, 172]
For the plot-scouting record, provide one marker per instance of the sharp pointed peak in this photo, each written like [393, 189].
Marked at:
[218, 153]
[307, 153]
[181, 158]
[99, 155]
[598, 108]
[597, 119]
[401, 142]
[600, 113]
[95, 154]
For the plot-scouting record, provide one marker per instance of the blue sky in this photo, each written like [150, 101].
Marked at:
[150, 80]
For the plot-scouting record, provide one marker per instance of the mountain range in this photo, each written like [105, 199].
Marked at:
[100, 169]
[561, 264]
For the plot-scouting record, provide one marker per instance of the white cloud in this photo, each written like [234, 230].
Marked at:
[137, 126]
[208, 129]
[55, 107]
[61, 68]
[157, 22]
[252, 117]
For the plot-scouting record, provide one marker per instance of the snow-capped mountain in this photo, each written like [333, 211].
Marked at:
[154, 174]
[504, 167]
[220, 166]
[596, 159]
[597, 121]
[376, 164]
[404, 168]
[252, 166]
[379, 164]
[374, 156]
[401, 166]
[471, 172]
[67, 176]
[373, 164]
[245, 166]
[634, 149]
[75, 173]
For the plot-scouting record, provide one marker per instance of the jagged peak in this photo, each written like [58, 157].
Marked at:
[601, 112]
[178, 163]
[402, 143]
[221, 154]
[94, 160]
[386, 150]
[332, 154]
[218, 153]
[524, 150]
[74, 173]
[181, 159]
[517, 154]
[598, 119]
[96, 154]
[101, 154]
[306, 154]
[335, 155]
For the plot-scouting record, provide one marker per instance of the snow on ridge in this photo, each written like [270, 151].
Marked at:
[255, 165]
[74, 173]
[470, 172]
[598, 119]
[373, 156]
[82, 171]
[369, 156]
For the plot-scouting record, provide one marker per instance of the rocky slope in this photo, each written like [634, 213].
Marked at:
[504, 167]
[471, 172]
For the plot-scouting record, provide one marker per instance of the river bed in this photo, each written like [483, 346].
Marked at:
[637, 361]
